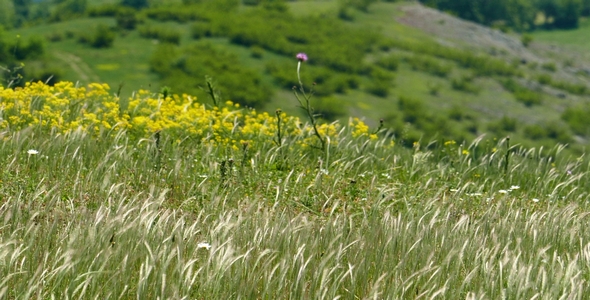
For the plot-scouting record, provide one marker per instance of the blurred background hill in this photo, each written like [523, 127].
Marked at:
[435, 69]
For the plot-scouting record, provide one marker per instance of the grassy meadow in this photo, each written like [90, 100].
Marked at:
[165, 198]
[466, 189]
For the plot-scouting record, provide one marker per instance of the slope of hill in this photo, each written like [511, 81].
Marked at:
[428, 75]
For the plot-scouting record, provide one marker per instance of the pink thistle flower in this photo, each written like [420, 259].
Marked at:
[301, 56]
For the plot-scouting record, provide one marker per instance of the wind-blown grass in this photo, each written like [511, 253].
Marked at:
[122, 216]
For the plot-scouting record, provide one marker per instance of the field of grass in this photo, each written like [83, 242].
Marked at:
[128, 213]
[150, 195]
[572, 38]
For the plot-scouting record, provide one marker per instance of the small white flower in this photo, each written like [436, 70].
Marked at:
[204, 245]
[454, 190]
[535, 200]
[474, 194]
[32, 152]
[503, 191]
[514, 187]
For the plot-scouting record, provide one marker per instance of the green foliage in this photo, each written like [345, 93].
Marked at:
[553, 131]
[137, 4]
[479, 64]
[528, 97]
[67, 9]
[549, 66]
[21, 11]
[327, 41]
[7, 17]
[413, 122]
[325, 82]
[362, 5]
[161, 33]
[346, 13]
[380, 81]
[574, 88]
[185, 70]
[429, 65]
[390, 62]
[104, 10]
[518, 14]
[563, 14]
[545, 79]
[126, 19]
[200, 30]
[102, 37]
[503, 126]
[32, 49]
[256, 52]
[577, 118]
[329, 108]
[521, 93]
[526, 39]
[465, 84]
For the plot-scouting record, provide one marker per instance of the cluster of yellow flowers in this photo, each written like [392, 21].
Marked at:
[66, 107]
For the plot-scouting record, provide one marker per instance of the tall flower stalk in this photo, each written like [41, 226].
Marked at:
[304, 101]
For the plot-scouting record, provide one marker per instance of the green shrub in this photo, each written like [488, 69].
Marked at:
[553, 130]
[329, 108]
[521, 93]
[544, 79]
[184, 71]
[126, 18]
[549, 66]
[526, 39]
[458, 113]
[256, 52]
[429, 65]
[380, 82]
[535, 132]
[528, 97]
[163, 34]
[32, 49]
[503, 126]
[464, 84]
[54, 37]
[201, 29]
[576, 117]
[390, 62]
[104, 10]
[574, 88]
[346, 13]
[479, 64]
[103, 37]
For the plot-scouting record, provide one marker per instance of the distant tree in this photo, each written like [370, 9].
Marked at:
[362, 5]
[74, 6]
[21, 11]
[137, 4]
[42, 11]
[563, 14]
[568, 15]
[518, 14]
[278, 5]
[585, 8]
[126, 18]
[6, 13]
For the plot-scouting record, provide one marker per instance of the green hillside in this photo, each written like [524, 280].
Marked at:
[374, 64]
[159, 187]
